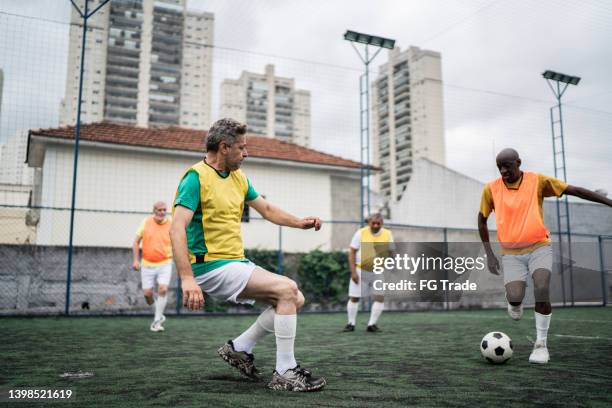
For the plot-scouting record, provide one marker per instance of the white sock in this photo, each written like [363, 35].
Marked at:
[285, 327]
[160, 306]
[542, 323]
[377, 309]
[351, 309]
[262, 326]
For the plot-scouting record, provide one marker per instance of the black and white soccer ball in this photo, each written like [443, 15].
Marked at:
[496, 347]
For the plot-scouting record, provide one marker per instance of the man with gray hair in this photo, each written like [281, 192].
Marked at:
[207, 241]
[368, 243]
[154, 233]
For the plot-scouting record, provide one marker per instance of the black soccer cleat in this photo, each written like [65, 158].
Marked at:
[243, 361]
[373, 328]
[297, 379]
[349, 328]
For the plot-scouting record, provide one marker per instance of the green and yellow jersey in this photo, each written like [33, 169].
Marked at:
[217, 200]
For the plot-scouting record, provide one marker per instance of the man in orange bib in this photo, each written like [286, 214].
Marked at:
[154, 232]
[517, 198]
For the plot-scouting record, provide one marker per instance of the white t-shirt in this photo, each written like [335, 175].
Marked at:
[356, 243]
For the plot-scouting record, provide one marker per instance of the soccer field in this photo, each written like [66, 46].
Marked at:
[418, 359]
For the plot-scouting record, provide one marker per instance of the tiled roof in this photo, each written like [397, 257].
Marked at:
[176, 138]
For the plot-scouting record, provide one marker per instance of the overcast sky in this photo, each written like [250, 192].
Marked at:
[493, 54]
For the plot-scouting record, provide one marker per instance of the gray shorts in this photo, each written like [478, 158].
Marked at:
[228, 281]
[365, 287]
[519, 267]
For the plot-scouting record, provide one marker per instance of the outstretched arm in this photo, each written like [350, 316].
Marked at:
[483, 231]
[587, 195]
[279, 217]
[193, 298]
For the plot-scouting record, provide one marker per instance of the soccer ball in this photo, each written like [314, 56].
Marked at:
[496, 347]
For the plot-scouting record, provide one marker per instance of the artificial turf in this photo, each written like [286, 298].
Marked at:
[418, 359]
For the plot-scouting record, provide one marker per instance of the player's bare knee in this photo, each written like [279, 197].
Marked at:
[288, 291]
[148, 294]
[378, 298]
[515, 292]
[354, 299]
[162, 291]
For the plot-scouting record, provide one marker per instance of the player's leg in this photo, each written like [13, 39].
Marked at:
[377, 308]
[540, 264]
[163, 276]
[516, 271]
[286, 299]
[147, 279]
[352, 306]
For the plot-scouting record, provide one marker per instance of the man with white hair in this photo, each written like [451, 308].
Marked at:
[156, 264]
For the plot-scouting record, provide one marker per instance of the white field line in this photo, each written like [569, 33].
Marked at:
[570, 336]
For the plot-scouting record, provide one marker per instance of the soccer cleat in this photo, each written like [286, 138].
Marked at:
[156, 326]
[243, 361]
[373, 328]
[349, 328]
[297, 379]
[515, 312]
[539, 355]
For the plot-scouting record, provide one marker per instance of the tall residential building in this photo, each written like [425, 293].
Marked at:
[407, 114]
[270, 105]
[147, 63]
[1, 89]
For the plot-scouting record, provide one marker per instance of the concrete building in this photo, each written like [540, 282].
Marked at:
[13, 169]
[271, 105]
[148, 63]
[407, 117]
[1, 89]
[123, 170]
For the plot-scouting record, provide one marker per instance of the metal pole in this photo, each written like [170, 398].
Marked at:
[602, 268]
[367, 121]
[567, 208]
[77, 135]
[279, 259]
[558, 207]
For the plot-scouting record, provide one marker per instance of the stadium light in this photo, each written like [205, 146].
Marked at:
[368, 39]
[364, 105]
[556, 76]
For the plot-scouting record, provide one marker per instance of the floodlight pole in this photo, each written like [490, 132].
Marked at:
[563, 217]
[364, 121]
[85, 15]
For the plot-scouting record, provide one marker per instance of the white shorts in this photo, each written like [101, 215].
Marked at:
[228, 281]
[365, 287]
[160, 273]
[519, 267]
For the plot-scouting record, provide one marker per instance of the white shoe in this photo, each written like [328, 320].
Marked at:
[162, 320]
[539, 355]
[156, 326]
[515, 312]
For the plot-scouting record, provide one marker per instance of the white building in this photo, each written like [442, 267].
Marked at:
[123, 170]
[271, 105]
[147, 63]
[13, 169]
[407, 119]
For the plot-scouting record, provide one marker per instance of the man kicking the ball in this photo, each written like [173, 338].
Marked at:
[517, 198]
[209, 255]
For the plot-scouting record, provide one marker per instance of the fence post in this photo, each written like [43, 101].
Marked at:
[279, 259]
[445, 254]
[179, 294]
[602, 268]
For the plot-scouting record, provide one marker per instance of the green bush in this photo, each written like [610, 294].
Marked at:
[323, 277]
